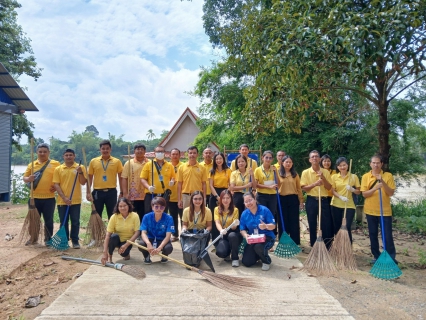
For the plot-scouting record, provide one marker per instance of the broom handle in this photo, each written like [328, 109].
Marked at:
[279, 203]
[347, 191]
[129, 173]
[220, 236]
[72, 192]
[83, 150]
[319, 208]
[32, 170]
[152, 176]
[382, 222]
[162, 255]
[107, 264]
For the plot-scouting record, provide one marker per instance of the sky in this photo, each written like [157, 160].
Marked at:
[122, 66]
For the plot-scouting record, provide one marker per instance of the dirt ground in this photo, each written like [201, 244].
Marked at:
[34, 271]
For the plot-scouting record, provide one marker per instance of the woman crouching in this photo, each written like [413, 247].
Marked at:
[157, 228]
[257, 219]
[122, 226]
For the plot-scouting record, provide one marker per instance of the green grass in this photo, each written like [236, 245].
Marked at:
[410, 216]
[85, 212]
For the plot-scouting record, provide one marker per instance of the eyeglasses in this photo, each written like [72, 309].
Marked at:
[157, 207]
[314, 157]
[197, 199]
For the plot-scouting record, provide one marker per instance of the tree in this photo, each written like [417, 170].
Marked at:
[21, 126]
[150, 134]
[93, 129]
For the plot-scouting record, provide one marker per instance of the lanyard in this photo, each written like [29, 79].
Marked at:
[224, 223]
[105, 167]
[243, 178]
[266, 175]
[198, 217]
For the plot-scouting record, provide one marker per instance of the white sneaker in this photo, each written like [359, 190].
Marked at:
[91, 244]
[235, 263]
[265, 267]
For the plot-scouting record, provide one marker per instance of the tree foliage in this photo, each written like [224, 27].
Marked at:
[21, 126]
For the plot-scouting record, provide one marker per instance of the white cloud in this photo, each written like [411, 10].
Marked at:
[122, 66]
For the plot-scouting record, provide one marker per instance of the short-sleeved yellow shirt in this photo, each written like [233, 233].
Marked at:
[200, 224]
[105, 172]
[372, 204]
[167, 171]
[265, 177]
[251, 163]
[65, 177]
[134, 169]
[289, 186]
[173, 196]
[46, 182]
[208, 167]
[339, 183]
[125, 228]
[221, 179]
[192, 177]
[239, 179]
[225, 220]
[309, 176]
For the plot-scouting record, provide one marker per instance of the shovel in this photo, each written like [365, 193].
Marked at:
[204, 255]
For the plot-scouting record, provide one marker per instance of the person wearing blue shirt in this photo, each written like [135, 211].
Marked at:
[157, 228]
[257, 218]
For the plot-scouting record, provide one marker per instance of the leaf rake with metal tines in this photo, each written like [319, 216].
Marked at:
[134, 271]
[235, 285]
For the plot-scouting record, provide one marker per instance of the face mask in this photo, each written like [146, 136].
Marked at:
[159, 155]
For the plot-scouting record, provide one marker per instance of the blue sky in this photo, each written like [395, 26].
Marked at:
[123, 66]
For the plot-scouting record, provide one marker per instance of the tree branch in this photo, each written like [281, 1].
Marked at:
[360, 92]
[408, 85]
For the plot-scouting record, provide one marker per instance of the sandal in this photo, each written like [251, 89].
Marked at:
[126, 257]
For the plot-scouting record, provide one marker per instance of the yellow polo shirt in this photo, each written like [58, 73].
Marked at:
[46, 182]
[277, 165]
[251, 163]
[339, 183]
[208, 167]
[167, 171]
[309, 176]
[332, 173]
[372, 204]
[289, 186]
[109, 168]
[201, 224]
[192, 177]
[262, 176]
[133, 168]
[125, 228]
[221, 179]
[238, 179]
[65, 177]
[225, 220]
[174, 196]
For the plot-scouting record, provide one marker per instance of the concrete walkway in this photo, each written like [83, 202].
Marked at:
[171, 292]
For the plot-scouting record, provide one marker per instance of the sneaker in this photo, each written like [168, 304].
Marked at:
[235, 263]
[147, 260]
[265, 267]
[92, 243]
[373, 261]
[228, 259]
[76, 245]
[164, 260]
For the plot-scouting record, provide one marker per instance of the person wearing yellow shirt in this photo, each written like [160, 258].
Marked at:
[343, 186]
[327, 164]
[315, 181]
[163, 174]
[244, 150]
[197, 216]
[224, 215]
[191, 177]
[208, 165]
[44, 193]
[371, 182]
[132, 169]
[291, 199]
[104, 171]
[241, 182]
[174, 209]
[280, 155]
[63, 179]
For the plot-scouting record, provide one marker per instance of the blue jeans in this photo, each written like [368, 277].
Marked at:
[74, 216]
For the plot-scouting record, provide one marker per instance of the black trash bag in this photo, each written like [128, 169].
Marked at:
[192, 245]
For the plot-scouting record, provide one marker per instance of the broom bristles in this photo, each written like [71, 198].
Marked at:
[385, 267]
[319, 260]
[341, 250]
[32, 228]
[96, 230]
[286, 248]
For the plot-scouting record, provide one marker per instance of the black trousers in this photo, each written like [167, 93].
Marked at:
[148, 200]
[254, 252]
[269, 201]
[337, 214]
[139, 208]
[213, 204]
[105, 198]
[46, 209]
[229, 245]
[175, 212]
[74, 216]
[114, 242]
[290, 213]
[239, 202]
[326, 220]
[373, 230]
[168, 248]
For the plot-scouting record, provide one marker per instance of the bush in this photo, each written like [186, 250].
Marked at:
[411, 215]
[20, 192]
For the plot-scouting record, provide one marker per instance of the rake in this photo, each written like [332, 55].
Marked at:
[134, 271]
[235, 285]
[384, 268]
[286, 248]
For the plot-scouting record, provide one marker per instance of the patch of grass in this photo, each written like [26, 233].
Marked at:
[85, 212]
[410, 215]
[422, 258]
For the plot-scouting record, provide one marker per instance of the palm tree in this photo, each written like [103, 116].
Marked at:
[150, 134]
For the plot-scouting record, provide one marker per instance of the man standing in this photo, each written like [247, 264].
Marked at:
[103, 172]
[370, 184]
[312, 181]
[44, 193]
[280, 156]
[132, 169]
[191, 177]
[174, 209]
[251, 163]
[157, 176]
[208, 165]
[63, 179]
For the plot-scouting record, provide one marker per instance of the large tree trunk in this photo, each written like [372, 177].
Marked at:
[383, 132]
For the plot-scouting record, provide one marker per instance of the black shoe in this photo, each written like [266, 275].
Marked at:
[76, 245]
[147, 260]
[164, 260]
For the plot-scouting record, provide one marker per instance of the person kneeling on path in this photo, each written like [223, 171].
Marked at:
[122, 226]
[224, 215]
[257, 219]
[157, 228]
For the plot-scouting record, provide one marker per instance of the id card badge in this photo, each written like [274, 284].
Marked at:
[195, 230]
[160, 178]
[104, 178]
[154, 244]
[255, 231]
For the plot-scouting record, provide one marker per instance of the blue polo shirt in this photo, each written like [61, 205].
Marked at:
[157, 230]
[250, 221]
